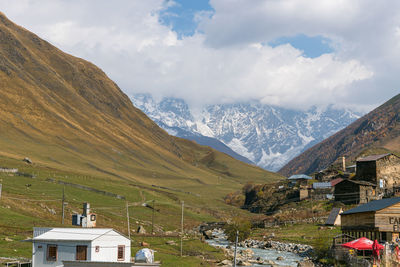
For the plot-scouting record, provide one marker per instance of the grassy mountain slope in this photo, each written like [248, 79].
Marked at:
[65, 112]
[379, 130]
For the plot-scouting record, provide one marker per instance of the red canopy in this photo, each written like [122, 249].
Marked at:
[361, 244]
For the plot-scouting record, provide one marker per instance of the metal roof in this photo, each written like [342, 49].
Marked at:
[374, 205]
[336, 181]
[299, 176]
[357, 182]
[321, 185]
[374, 157]
[72, 234]
[332, 216]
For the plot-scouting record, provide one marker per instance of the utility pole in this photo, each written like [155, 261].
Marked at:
[152, 218]
[236, 241]
[63, 205]
[183, 203]
[127, 218]
[312, 208]
[0, 190]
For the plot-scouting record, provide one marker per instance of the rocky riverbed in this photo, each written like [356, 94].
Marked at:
[260, 253]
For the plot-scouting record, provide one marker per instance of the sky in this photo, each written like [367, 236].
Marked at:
[289, 53]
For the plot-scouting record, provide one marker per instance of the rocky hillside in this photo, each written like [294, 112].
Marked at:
[268, 136]
[64, 112]
[379, 130]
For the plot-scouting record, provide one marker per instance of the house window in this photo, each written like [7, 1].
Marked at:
[51, 252]
[93, 217]
[121, 252]
[81, 253]
[97, 248]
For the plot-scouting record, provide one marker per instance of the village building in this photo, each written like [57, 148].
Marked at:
[52, 246]
[378, 219]
[382, 170]
[354, 192]
[334, 217]
[299, 178]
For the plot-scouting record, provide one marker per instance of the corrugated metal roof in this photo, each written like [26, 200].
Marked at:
[374, 205]
[374, 157]
[357, 182]
[299, 176]
[336, 181]
[75, 234]
[332, 216]
[321, 185]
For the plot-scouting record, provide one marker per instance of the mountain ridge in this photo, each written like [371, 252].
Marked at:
[269, 136]
[379, 129]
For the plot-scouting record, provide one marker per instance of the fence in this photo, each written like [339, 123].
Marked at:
[18, 264]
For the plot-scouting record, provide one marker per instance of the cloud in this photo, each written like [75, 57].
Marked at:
[228, 59]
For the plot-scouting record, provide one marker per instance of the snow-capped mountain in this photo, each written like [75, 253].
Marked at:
[268, 136]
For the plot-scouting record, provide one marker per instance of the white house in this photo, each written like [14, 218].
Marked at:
[52, 246]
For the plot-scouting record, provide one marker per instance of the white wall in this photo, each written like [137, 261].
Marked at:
[65, 251]
[109, 247]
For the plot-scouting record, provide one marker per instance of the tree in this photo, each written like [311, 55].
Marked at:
[238, 224]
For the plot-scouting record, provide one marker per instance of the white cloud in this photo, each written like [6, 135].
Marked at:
[226, 61]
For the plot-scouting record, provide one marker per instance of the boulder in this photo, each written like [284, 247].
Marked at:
[243, 263]
[144, 244]
[280, 258]
[8, 239]
[141, 230]
[306, 263]
[225, 263]
[207, 234]
[27, 160]
[171, 242]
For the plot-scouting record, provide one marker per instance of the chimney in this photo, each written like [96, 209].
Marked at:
[344, 163]
[86, 209]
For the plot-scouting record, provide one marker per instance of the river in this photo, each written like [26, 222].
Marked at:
[289, 258]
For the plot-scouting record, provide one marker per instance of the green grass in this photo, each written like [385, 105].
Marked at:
[309, 234]
[23, 207]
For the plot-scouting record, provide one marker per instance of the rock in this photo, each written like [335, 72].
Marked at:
[8, 239]
[306, 263]
[225, 263]
[243, 263]
[269, 262]
[272, 235]
[207, 234]
[171, 242]
[144, 244]
[141, 230]
[27, 160]
[52, 211]
[280, 258]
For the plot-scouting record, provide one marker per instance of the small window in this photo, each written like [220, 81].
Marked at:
[93, 217]
[121, 253]
[97, 248]
[81, 253]
[52, 252]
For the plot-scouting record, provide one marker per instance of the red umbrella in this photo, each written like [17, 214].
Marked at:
[362, 244]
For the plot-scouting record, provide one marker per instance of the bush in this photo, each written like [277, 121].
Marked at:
[241, 225]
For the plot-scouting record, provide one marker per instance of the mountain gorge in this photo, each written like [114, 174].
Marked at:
[266, 135]
[378, 131]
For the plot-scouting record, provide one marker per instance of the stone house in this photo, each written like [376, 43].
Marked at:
[354, 192]
[382, 170]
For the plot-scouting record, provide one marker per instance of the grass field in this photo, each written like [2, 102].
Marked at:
[36, 202]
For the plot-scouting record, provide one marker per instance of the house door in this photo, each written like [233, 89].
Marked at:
[81, 253]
